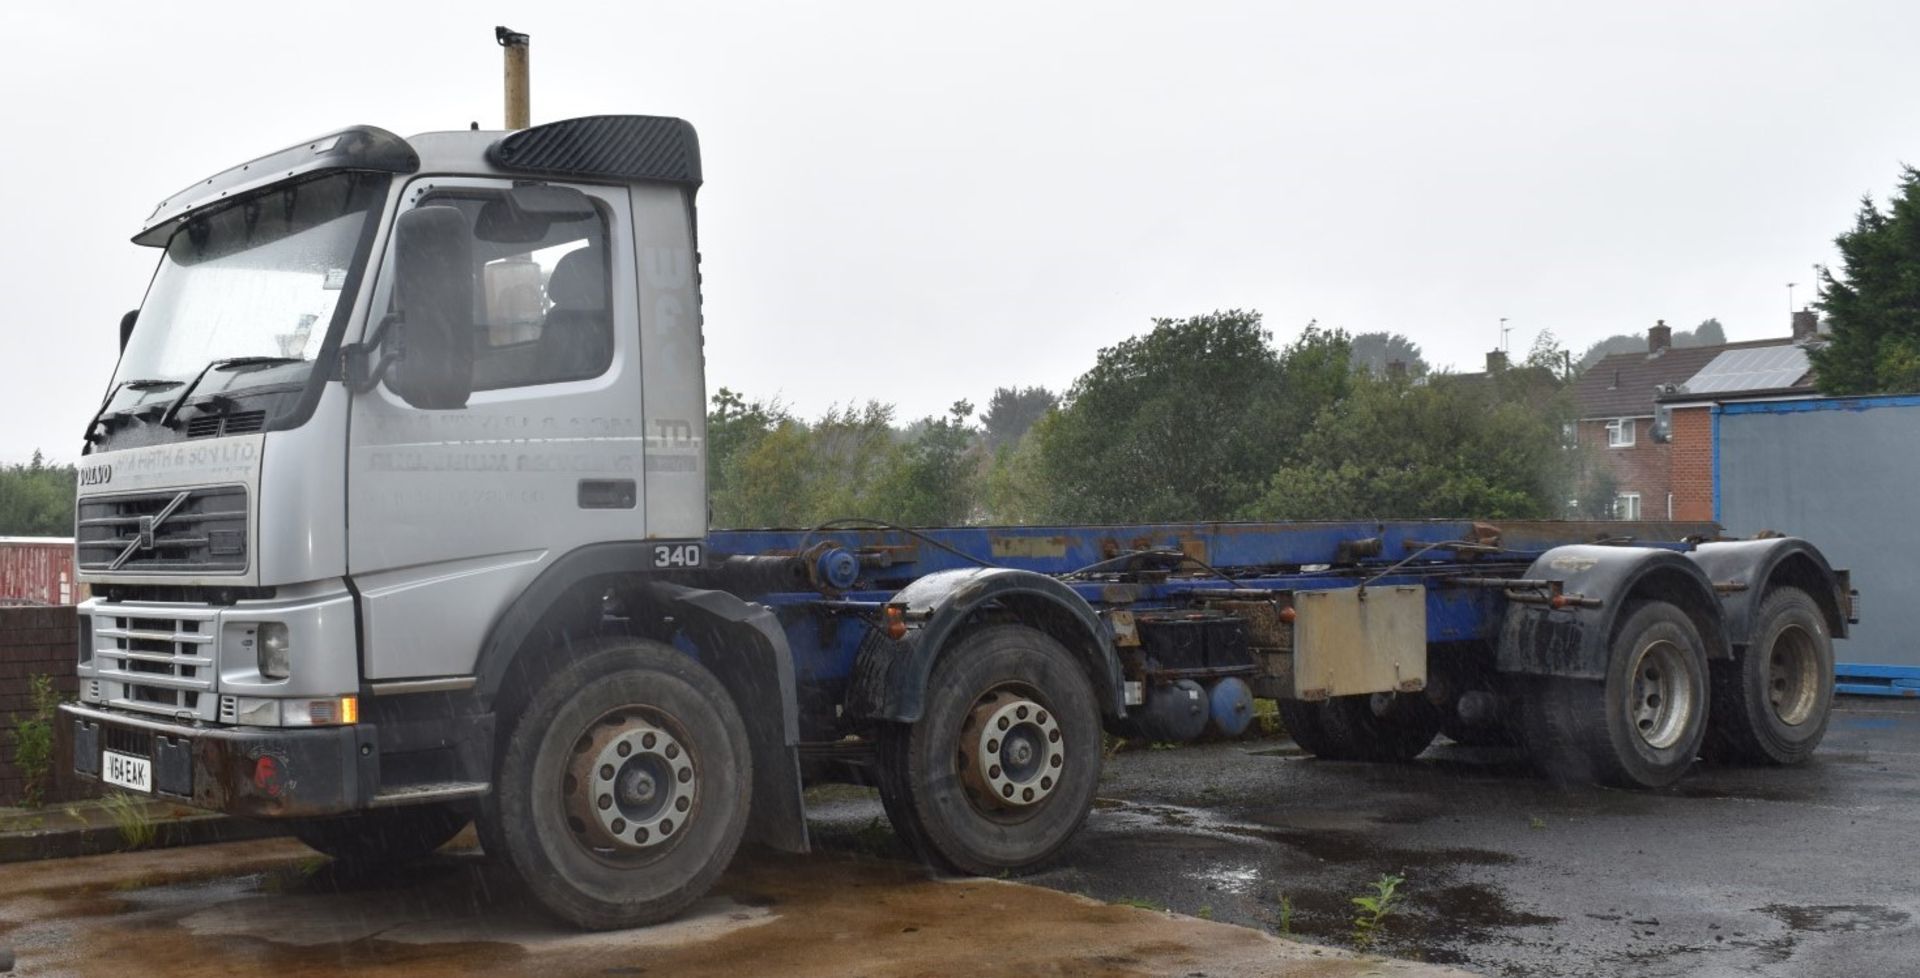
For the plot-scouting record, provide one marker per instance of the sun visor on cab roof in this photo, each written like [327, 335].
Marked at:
[355, 148]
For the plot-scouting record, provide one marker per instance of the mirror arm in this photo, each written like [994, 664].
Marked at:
[357, 365]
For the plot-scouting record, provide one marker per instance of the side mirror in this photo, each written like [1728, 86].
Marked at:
[433, 299]
[126, 328]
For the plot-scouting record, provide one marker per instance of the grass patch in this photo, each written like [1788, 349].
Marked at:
[135, 822]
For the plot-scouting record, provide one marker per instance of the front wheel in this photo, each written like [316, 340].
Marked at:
[625, 786]
[1001, 769]
[1639, 727]
[1771, 702]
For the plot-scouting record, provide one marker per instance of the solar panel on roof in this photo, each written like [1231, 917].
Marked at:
[1758, 369]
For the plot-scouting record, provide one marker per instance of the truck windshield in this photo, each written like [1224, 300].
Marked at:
[262, 277]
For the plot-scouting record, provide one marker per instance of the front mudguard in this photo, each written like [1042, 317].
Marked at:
[890, 676]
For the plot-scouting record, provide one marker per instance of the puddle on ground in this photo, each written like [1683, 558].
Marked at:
[454, 915]
[1837, 919]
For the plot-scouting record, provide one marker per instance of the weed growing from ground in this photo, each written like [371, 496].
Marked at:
[1374, 909]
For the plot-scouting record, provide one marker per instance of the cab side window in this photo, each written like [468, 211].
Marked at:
[543, 302]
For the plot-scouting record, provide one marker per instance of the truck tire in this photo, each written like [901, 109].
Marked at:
[385, 836]
[1348, 728]
[1303, 723]
[1771, 702]
[1001, 770]
[625, 786]
[1361, 728]
[1641, 726]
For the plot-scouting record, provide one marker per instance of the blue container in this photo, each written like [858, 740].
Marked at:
[1229, 707]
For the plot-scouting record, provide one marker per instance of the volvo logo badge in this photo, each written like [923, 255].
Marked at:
[143, 538]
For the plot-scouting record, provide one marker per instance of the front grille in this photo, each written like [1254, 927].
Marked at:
[177, 530]
[157, 660]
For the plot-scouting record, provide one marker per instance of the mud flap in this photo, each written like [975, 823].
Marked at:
[744, 647]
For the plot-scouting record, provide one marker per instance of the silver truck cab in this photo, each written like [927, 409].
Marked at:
[310, 496]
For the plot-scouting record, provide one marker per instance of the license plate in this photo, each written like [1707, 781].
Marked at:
[127, 771]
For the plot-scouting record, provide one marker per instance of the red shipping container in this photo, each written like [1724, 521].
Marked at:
[38, 570]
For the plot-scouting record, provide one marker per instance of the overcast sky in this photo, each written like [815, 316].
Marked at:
[918, 203]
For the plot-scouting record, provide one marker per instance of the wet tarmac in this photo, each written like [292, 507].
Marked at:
[1735, 871]
[273, 908]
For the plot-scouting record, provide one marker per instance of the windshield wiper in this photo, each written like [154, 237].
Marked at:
[230, 363]
[138, 384]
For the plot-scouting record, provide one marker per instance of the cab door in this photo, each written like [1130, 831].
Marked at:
[452, 513]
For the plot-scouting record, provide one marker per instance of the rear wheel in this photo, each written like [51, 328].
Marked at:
[1001, 769]
[624, 788]
[1642, 725]
[1771, 702]
[384, 836]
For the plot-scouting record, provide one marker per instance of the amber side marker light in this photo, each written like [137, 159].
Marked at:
[896, 622]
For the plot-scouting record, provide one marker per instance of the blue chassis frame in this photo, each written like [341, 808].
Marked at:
[1259, 556]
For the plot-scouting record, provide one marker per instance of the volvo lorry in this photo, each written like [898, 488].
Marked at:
[395, 518]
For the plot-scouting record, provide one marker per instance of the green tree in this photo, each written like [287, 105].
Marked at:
[931, 481]
[1176, 424]
[1016, 491]
[1873, 305]
[735, 425]
[1373, 351]
[1012, 411]
[1708, 333]
[36, 499]
[1444, 449]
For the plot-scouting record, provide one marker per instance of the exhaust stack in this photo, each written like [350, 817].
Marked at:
[514, 46]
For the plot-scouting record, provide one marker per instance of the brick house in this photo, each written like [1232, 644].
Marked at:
[1645, 419]
[1771, 370]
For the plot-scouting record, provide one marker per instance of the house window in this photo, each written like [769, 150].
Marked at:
[1620, 433]
[1626, 506]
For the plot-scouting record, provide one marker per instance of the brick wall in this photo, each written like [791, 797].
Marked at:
[1692, 468]
[1642, 468]
[33, 641]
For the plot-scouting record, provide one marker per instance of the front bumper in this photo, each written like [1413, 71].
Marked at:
[254, 771]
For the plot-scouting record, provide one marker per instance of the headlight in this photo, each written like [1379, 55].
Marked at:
[274, 648]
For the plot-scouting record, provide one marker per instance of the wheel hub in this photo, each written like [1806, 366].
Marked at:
[1662, 703]
[1011, 751]
[630, 785]
[1793, 676]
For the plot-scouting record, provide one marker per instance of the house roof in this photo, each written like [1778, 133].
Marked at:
[1757, 369]
[1626, 385]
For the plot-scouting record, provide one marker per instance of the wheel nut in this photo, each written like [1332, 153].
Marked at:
[606, 802]
[623, 748]
[606, 772]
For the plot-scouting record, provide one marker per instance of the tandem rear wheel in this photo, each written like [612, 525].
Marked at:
[624, 787]
[1001, 769]
[1642, 725]
[1772, 700]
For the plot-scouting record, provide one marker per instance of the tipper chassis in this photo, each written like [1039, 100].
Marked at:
[395, 519]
